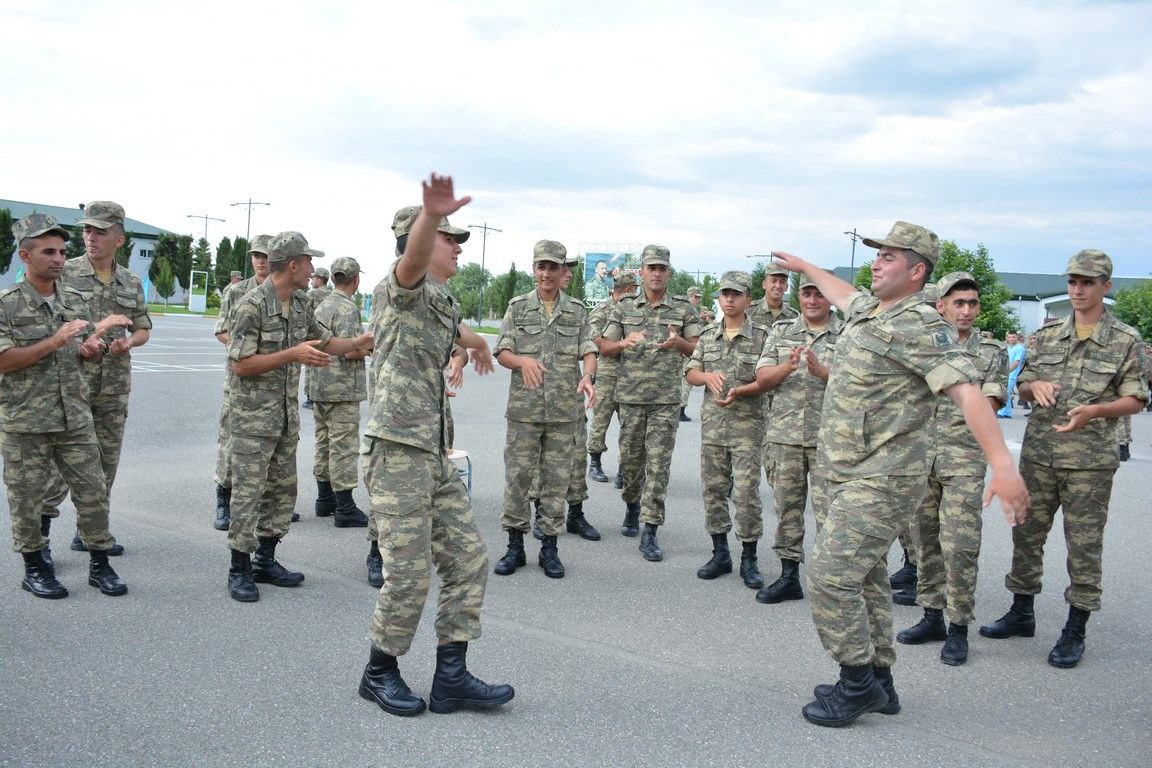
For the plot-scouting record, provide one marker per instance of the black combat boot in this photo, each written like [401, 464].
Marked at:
[46, 553]
[101, 575]
[684, 416]
[1125, 454]
[549, 558]
[1070, 648]
[40, 578]
[856, 693]
[578, 524]
[650, 548]
[927, 630]
[595, 471]
[631, 526]
[375, 565]
[514, 557]
[618, 483]
[348, 515]
[381, 683]
[787, 587]
[454, 687]
[905, 596]
[223, 508]
[325, 499]
[749, 569]
[883, 676]
[266, 570]
[78, 545]
[536, 532]
[905, 576]
[955, 650]
[1020, 620]
[721, 562]
[240, 584]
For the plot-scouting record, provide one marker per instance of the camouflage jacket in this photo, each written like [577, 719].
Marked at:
[952, 450]
[124, 295]
[649, 375]
[413, 330]
[266, 405]
[558, 344]
[343, 380]
[1102, 368]
[741, 424]
[317, 295]
[882, 389]
[50, 395]
[797, 401]
[761, 315]
[229, 298]
[606, 367]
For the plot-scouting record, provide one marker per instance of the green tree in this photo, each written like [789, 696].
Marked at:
[75, 247]
[222, 270]
[680, 282]
[240, 258]
[164, 283]
[576, 286]
[1134, 306]
[182, 264]
[124, 252]
[758, 273]
[466, 285]
[506, 287]
[708, 286]
[166, 251]
[202, 256]
[996, 315]
[864, 276]
[7, 240]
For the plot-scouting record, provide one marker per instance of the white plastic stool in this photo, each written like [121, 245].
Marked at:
[465, 471]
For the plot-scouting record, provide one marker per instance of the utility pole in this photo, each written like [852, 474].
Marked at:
[854, 237]
[248, 229]
[206, 218]
[484, 229]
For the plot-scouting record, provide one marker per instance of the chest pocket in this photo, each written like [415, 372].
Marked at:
[1097, 375]
[126, 298]
[529, 338]
[272, 337]
[567, 339]
[29, 330]
[1049, 365]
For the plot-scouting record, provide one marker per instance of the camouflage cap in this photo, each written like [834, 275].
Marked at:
[235, 273]
[912, 237]
[102, 214]
[549, 250]
[1090, 263]
[655, 254]
[695, 291]
[930, 293]
[319, 272]
[772, 269]
[952, 280]
[345, 268]
[805, 282]
[626, 280]
[572, 260]
[286, 246]
[405, 217]
[260, 244]
[35, 225]
[316, 253]
[735, 280]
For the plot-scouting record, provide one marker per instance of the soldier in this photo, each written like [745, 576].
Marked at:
[46, 422]
[107, 288]
[731, 429]
[651, 334]
[1082, 374]
[234, 277]
[605, 381]
[273, 331]
[229, 299]
[946, 530]
[319, 290]
[694, 294]
[543, 340]
[772, 307]
[794, 368]
[417, 496]
[892, 357]
[336, 391]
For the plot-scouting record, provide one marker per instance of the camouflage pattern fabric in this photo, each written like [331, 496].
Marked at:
[796, 405]
[760, 314]
[229, 298]
[337, 456]
[317, 296]
[424, 517]
[606, 405]
[718, 463]
[792, 475]
[946, 543]
[741, 424]
[1124, 430]
[578, 479]
[536, 453]
[343, 380]
[648, 375]
[263, 488]
[336, 391]
[951, 449]
[647, 439]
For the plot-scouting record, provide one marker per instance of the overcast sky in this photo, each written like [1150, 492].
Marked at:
[719, 129]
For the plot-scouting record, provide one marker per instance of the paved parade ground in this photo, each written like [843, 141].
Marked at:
[621, 663]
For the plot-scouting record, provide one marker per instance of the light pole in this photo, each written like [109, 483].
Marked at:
[484, 230]
[248, 229]
[206, 218]
[854, 237]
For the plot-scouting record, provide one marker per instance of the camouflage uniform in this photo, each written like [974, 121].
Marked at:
[761, 314]
[685, 387]
[606, 372]
[316, 296]
[794, 416]
[1124, 430]
[1072, 470]
[229, 299]
[871, 453]
[337, 391]
[542, 422]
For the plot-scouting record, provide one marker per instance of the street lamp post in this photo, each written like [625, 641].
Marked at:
[206, 218]
[854, 237]
[248, 229]
[484, 230]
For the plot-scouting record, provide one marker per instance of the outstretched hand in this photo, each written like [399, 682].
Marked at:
[440, 197]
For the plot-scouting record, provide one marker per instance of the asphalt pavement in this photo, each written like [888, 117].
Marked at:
[621, 663]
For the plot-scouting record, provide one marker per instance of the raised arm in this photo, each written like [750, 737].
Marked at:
[834, 289]
[439, 201]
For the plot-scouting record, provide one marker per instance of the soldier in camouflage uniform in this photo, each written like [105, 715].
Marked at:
[731, 429]
[418, 498]
[694, 295]
[794, 368]
[273, 332]
[543, 340]
[46, 423]
[772, 307]
[1082, 374]
[229, 299]
[893, 356]
[319, 291]
[336, 391]
[946, 531]
[605, 381]
[651, 334]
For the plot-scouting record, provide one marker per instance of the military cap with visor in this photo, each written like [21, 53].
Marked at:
[655, 254]
[287, 246]
[405, 217]
[963, 280]
[912, 237]
[102, 214]
[345, 268]
[35, 225]
[549, 250]
[1090, 263]
[735, 280]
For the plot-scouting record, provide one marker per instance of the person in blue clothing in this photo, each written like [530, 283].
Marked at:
[1015, 363]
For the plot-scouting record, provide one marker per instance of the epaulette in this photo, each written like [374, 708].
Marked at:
[929, 314]
[994, 342]
[14, 287]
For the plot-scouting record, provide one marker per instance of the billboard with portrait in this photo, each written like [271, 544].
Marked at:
[601, 270]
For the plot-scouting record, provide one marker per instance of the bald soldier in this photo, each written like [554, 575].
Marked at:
[892, 358]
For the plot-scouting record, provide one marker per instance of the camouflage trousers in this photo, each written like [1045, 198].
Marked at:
[424, 517]
[1083, 494]
[647, 439]
[263, 488]
[718, 463]
[602, 414]
[537, 460]
[686, 388]
[223, 475]
[946, 537]
[1124, 430]
[848, 579]
[577, 492]
[30, 461]
[337, 444]
[793, 474]
[109, 413]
